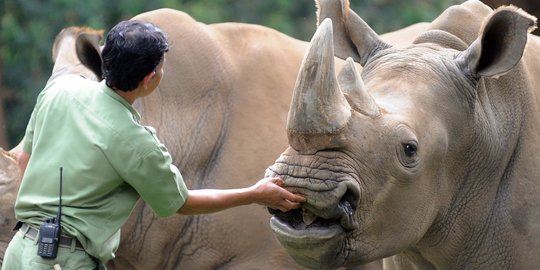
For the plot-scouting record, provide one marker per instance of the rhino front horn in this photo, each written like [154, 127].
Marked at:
[318, 105]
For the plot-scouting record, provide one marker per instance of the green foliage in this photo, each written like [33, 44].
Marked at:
[28, 28]
[390, 15]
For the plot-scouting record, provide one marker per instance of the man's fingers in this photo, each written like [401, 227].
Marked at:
[289, 200]
[288, 205]
[293, 197]
[283, 206]
[297, 198]
[278, 181]
[293, 205]
[287, 194]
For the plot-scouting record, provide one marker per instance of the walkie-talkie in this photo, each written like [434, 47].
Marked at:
[49, 232]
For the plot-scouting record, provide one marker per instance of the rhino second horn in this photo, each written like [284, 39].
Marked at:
[352, 85]
[318, 105]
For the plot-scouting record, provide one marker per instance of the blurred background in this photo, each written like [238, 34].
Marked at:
[28, 28]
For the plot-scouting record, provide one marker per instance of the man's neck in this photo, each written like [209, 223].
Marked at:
[129, 96]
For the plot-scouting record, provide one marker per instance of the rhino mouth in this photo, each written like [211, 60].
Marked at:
[318, 245]
[313, 238]
[303, 219]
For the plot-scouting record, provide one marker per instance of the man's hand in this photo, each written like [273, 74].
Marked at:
[270, 192]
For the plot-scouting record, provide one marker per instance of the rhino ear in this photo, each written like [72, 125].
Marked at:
[89, 52]
[501, 44]
[352, 36]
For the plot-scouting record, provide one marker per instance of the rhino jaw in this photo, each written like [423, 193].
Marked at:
[327, 252]
[323, 234]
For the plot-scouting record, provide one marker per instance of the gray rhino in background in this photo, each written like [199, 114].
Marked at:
[430, 158]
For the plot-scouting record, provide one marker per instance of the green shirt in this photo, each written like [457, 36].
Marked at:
[109, 161]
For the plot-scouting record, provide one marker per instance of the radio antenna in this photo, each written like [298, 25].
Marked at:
[60, 200]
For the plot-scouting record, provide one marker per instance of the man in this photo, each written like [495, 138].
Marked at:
[108, 160]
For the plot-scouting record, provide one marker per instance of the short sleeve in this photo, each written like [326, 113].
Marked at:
[158, 182]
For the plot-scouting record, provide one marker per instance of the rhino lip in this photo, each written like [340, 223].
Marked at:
[312, 241]
[316, 234]
[292, 225]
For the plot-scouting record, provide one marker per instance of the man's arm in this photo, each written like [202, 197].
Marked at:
[267, 191]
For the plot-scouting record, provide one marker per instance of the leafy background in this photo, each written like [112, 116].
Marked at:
[28, 28]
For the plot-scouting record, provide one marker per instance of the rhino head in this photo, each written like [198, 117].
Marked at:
[384, 157]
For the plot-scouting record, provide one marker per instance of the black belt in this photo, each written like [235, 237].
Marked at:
[64, 241]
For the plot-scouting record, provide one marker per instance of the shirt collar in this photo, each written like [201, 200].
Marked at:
[110, 92]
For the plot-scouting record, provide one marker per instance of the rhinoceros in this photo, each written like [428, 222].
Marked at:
[221, 110]
[429, 157]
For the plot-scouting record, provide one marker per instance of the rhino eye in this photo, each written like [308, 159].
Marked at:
[406, 147]
[410, 149]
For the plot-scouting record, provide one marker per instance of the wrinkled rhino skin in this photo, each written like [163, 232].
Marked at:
[428, 157]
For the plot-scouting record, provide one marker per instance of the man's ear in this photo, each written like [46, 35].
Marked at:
[148, 78]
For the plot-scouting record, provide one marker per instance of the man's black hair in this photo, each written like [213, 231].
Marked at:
[132, 50]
